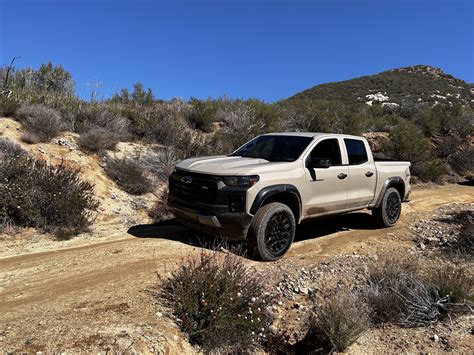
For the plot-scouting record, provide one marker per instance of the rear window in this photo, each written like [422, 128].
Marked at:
[356, 151]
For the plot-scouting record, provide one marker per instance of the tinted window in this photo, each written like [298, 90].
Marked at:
[356, 151]
[327, 149]
[274, 148]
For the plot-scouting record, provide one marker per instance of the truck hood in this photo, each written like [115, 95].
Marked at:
[226, 165]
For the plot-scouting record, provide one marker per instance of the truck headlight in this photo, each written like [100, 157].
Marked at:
[240, 180]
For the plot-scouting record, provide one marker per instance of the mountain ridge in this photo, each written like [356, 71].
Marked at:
[418, 83]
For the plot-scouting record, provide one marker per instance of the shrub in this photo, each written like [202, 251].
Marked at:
[339, 322]
[202, 114]
[465, 241]
[138, 96]
[166, 124]
[462, 160]
[9, 149]
[407, 143]
[30, 138]
[220, 304]
[98, 139]
[461, 243]
[33, 194]
[240, 125]
[160, 162]
[454, 284]
[8, 106]
[160, 210]
[49, 78]
[129, 175]
[38, 120]
[100, 116]
[397, 293]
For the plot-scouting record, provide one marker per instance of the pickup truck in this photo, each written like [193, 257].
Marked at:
[261, 191]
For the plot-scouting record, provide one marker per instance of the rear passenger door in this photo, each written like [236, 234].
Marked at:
[362, 177]
[326, 178]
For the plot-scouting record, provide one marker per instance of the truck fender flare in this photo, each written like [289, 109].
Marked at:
[272, 190]
[391, 181]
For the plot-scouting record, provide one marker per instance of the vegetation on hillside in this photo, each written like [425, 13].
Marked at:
[34, 194]
[424, 128]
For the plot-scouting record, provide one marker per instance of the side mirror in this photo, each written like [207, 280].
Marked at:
[320, 163]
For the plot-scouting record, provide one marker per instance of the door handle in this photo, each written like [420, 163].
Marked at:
[369, 173]
[342, 176]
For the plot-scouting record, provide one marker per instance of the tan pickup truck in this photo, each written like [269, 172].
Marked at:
[260, 192]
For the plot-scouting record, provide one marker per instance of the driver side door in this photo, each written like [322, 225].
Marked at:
[326, 179]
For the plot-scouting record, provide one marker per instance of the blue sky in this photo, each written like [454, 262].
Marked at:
[261, 48]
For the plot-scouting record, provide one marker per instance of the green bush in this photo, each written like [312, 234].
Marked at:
[49, 78]
[219, 303]
[138, 96]
[462, 161]
[52, 198]
[407, 143]
[129, 175]
[202, 114]
[8, 106]
[39, 121]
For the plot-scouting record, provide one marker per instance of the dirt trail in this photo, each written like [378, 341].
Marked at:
[86, 296]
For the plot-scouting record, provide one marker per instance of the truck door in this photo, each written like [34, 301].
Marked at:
[326, 179]
[362, 174]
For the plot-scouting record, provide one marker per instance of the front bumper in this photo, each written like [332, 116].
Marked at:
[230, 225]
[206, 204]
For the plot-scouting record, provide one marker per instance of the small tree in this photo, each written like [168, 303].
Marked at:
[49, 78]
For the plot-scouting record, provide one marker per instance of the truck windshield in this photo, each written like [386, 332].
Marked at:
[274, 148]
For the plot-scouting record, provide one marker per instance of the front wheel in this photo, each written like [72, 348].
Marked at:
[271, 232]
[388, 213]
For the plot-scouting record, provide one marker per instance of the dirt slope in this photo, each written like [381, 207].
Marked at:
[97, 293]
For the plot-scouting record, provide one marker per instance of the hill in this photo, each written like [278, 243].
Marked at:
[420, 83]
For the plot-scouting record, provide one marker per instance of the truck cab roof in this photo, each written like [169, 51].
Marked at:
[312, 134]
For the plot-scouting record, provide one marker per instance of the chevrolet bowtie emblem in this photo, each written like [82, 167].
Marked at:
[187, 179]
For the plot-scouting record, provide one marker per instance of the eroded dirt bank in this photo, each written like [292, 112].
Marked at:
[96, 293]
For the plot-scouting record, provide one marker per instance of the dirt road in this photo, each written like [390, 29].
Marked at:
[99, 294]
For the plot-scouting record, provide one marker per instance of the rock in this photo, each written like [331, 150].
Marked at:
[422, 246]
[65, 143]
[435, 337]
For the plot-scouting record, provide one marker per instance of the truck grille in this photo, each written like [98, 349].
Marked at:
[192, 187]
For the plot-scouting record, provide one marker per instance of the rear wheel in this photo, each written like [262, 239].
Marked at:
[271, 232]
[388, 213]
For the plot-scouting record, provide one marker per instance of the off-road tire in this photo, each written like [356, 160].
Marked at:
[388, 213]
[271, 232]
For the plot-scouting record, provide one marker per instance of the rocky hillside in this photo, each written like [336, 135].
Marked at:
[420, 83]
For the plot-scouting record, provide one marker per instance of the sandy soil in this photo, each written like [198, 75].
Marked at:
[97, 293]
